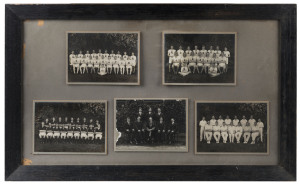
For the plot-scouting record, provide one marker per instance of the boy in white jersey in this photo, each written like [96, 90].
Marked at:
[247, 132]
[118, 55]
[213, 121]
[171, 53]
[112, 55]
[176, 63]
[94, 54]
[261, 129]
[133, 62]
[208, 132]
[83, 66]
[125, 56]
[222, 63]
[196, 50]
[235, 121]
[128, 66]
[122, 66]
[76, 65]
[252, 121]
[42, 131]
[87, 55]
[227, 121]
[211, 51]
[105, 54]
[99, 54]
[231, 133]
[206, 62]
[96, 64]
[243, 121]
[180, 52]
[109, 64]
[103, 60]
[72, 58]
[102, 70]
[184, 66]
[224, 132]
[239, 132]
[203, 51]
[255, 132]
[217, 128]
[116, 64]
[227, 55]
[80, 55]
[218, 51]
[90, 65]
[192, 62]
[200, 62]
[188, 52]
[202, 124]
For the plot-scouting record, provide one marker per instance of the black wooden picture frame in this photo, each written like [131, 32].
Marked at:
[16, 14]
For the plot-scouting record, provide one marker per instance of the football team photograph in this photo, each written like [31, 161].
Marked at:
[110, 58]
[199, 58]
[70, 127]
[151, 125]
[232, 127]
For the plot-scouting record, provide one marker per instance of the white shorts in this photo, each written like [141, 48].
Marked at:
[199, 64]
[83, 135]
[222, 65]
[96, 66]
[90, 134]
[98, 135]
[109, 66]
[207, 65]
[42, 134]
[116, 66]
[192, 64]
[129, 66]
[83, 66]
[170, 60]
[176, 64]
[56, 134]
[50, 134]
[63, 135]
[90, 66]
[122, 66]
[76, 135]
[70, 134]
[76, 65]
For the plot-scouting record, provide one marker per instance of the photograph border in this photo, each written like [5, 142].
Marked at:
[232, 153]
[198, 84]
[105, 83]
[286, 16]
[171, 151]
[69, 153]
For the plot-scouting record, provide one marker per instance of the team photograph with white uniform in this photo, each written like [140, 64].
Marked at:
[70, 127]
[232, 127]
[151, 125]
[199, 58]
[103, 58]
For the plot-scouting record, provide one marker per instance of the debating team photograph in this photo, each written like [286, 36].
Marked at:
[151, 125]
[232, 127]
[108, 58]
[199, 58]
[70, 127]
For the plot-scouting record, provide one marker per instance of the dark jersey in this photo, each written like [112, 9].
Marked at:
[160, 126]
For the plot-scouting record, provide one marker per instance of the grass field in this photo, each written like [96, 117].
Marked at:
[67, 147]
[94, 77]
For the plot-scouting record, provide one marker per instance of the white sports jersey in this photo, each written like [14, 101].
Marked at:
[171, 52]
[72, 58]
[218, 53]
[109, 62]
[251, 122]
[216, 128]
[188, 52]
[220, 122]
[180, 52]
[99, 55]
[255, 129]
[202, 123]
[133, 62]
[94, 55]
[118, 56]
[208, 128]
[226, 53]
[112, 55]
[128, 62]
[227, 121]
[239, 129]
[87, 55]
[125, 57]
[193, 59]
[133, 58]
[196, 51]
[184, 60]
[106, 55]
[231, 129]
[213, 122]
[223, 128]
[203, 52]
[80, 55]
[235, 122]
[122, 63]
[260, 124]
[176, 59]
[247, 129]
[211, 53]
[243, 122]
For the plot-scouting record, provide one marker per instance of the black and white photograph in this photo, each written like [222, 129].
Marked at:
[151, 125]
[232, 127]
[70, 127]
[103, 58]
[196, 58]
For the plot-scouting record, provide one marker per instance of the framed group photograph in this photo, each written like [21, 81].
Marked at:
[70, 127]
[199, 58]
[231, 127]
[151, 92]
[103, 58]
[159, 125]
